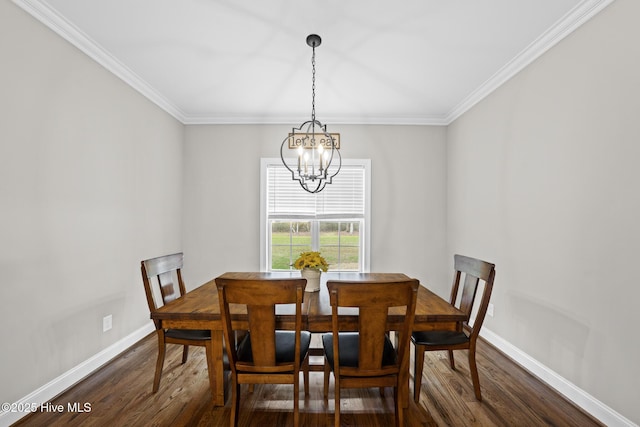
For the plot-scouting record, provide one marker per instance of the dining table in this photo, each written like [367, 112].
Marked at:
[200, 309]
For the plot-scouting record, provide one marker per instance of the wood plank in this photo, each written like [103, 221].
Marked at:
[120, 394]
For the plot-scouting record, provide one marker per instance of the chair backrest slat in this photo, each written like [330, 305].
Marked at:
[262, 325]
[469, 290]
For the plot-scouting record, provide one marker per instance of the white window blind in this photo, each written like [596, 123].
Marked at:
[344, 197]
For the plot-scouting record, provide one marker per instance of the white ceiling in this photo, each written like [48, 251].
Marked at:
[247, 61]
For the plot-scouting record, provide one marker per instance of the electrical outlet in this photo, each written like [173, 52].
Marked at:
[107, 323]
[490, 310]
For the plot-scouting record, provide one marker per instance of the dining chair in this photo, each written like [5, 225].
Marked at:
[367, 357]
[265, 355]
[474, 271]
[163, 283]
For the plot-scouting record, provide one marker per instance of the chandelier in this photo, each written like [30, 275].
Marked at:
[317, 158]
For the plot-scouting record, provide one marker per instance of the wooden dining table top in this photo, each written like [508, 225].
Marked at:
[200, 306]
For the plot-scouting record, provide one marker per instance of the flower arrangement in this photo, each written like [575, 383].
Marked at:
[312, 260]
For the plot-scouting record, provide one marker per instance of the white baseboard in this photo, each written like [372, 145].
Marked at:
[50, 390]
[581, 398]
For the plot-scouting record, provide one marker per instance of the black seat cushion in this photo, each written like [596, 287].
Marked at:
[348, 343]
[285, 346]
[439, 338]
[188, 334]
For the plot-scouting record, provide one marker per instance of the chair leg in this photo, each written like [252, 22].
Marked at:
[327, 372]
[305, 375]
[336, 392]
[235, 403]
[418, 362]
[160, 362]
[185, 354]
[473, 368]
[399, 409]
[452, 362]
[296, 402]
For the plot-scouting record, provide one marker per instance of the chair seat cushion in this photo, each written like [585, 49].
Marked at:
[285, 346]
[348, 344]
[439, 338]
[188, 334]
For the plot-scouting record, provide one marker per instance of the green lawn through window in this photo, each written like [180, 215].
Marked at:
[286, 248]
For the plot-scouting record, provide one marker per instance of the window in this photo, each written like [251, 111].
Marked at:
[334, 221]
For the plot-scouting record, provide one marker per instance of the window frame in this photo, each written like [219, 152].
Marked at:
[265, 228]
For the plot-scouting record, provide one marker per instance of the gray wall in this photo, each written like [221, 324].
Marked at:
[221, 200]
[90, 184]
[548, 164]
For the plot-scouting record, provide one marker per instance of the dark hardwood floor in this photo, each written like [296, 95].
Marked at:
[119, 394]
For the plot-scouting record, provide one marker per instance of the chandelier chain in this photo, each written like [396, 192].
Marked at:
[313, 84]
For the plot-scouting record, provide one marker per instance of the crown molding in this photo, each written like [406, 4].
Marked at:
[329, 120]
[58, 24]
[580, 14]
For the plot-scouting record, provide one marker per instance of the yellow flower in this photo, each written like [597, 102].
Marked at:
[311, 260]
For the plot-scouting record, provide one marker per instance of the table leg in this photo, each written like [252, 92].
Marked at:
[215, 362]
